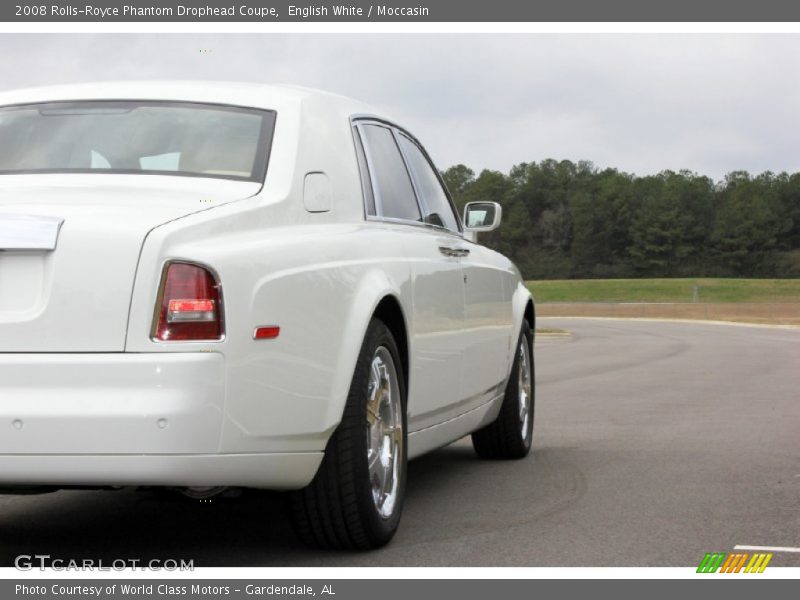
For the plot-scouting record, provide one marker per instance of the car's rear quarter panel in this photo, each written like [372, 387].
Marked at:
[319, 276]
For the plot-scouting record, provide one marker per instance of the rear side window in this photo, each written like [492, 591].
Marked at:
[438, 210]
[366, 184]
[394, 194]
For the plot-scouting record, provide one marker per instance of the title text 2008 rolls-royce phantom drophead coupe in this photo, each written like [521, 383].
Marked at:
[209, 285]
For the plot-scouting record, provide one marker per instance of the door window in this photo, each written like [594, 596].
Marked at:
[394, 193]
[436, 204]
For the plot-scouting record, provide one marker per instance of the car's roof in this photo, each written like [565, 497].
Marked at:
[255, 95]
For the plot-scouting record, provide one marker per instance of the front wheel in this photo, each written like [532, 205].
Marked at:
[510, 435]
[356, 497]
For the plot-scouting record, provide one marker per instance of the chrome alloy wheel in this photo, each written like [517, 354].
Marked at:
[384, 432]
[524, 385]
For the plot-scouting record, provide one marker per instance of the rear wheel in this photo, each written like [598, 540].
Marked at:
[356, 497]
[511, 434]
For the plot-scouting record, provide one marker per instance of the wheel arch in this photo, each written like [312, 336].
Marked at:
[391, 313]
[530, 313]
[524, 308]
[376, 296]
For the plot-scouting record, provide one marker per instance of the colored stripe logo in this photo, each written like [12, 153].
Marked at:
[739, 562]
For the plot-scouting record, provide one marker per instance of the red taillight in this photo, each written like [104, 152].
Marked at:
[190, 308]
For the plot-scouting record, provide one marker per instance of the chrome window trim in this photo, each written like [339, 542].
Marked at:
[376, 197]
[400, 132]
[358, 120]
[432, 228]
[371, 167]
[363, 172]
[424, 209]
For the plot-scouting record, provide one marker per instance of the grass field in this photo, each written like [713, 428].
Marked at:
[666, 290]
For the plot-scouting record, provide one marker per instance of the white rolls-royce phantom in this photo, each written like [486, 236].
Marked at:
[211, 285]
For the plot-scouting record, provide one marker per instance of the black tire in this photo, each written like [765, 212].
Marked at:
[336, 510]
[503, 438]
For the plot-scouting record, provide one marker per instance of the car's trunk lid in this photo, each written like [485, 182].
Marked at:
[76, 297]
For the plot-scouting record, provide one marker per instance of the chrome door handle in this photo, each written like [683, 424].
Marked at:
[454, 252]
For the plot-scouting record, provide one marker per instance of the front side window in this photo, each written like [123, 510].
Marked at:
[394, 192]
[126, 137]
[438, 209]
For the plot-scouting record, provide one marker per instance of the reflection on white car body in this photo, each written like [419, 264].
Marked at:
[169, 321]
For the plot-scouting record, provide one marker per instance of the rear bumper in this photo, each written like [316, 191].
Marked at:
[164, 403]
[127, 419]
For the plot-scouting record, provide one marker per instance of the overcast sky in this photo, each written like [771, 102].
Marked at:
[639, 102]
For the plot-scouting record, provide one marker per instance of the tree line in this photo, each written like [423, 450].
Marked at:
[564, 220]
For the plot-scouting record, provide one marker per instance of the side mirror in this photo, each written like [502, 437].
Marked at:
[482, 216]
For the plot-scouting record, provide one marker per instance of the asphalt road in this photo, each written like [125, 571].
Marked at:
[654, 443]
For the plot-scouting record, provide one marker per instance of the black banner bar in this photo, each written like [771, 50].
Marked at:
[729, 587]
[398, 11]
